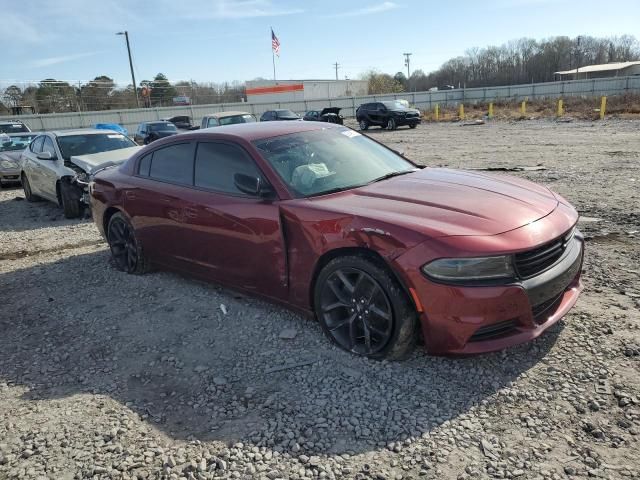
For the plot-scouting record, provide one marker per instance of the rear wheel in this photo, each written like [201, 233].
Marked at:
[70, 199]
[26, 186]
[364, 125]
[391, 124]
[363, 309]
[125, 247]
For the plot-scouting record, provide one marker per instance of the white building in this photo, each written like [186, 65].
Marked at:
[269, 91]
[604, 70]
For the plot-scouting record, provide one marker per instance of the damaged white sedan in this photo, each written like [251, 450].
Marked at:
[58, 166]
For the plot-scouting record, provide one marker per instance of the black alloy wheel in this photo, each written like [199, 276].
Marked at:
[362, 308]
[125, 248]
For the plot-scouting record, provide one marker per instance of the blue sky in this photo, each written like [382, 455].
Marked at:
[224, 40]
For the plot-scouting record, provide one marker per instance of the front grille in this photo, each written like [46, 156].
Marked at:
[542, 311]
[531, 263]
[413, 115]
[495, 330]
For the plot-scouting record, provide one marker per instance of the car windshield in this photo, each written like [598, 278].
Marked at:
[162, 127]
[86, 144]
[13, 128]
[323, 161]
[15, 142]
[393, 105]
[237, 119]
[285, 113]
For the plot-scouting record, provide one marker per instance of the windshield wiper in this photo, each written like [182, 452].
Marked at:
[334, 190]
[390, 175]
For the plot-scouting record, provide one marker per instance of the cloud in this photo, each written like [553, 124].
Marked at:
[236, 9]
[382, 7]
[27, 30]
[47, 62]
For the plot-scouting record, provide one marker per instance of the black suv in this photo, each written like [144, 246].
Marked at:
[389, 115]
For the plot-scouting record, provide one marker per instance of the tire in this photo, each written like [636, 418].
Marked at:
[70, 200]
[413, 125]
[126, 249]
[26, 187]
[391, 124]
[363, 309]
[363, 124]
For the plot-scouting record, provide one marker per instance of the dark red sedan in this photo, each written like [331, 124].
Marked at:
[328, 221]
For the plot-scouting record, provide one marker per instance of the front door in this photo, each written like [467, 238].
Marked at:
[235, 236]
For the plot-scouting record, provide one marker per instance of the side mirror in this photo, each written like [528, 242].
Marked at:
[46, 156]
[252, 185]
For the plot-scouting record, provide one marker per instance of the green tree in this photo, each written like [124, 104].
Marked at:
[162, 92]
[96, 95]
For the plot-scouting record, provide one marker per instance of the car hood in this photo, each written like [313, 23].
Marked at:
[163, 133]
[443, 202]
[335, 110]
[95, 161]
[13, 156]
[405, 110]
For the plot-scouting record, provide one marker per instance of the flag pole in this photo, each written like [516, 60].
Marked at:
[273, 56]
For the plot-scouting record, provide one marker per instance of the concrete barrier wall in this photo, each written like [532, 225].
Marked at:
[423, 100]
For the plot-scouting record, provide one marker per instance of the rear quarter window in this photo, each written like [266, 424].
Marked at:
[173, 164]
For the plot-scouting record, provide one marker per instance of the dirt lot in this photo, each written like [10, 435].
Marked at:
[105, 375]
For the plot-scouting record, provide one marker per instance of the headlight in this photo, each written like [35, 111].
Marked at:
[8, 164]
[461, 269]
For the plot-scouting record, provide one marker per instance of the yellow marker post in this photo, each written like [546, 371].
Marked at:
[523, 107]
[461, 115]
[560, 108]
[603, 107]
[491, 110]
[437, 112]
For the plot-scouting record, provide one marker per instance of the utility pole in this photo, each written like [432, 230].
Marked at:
[133, 77]
[336, 65]
[407, 62]
[578, 58]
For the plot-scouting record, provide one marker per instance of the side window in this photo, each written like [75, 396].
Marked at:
[217, 163]
[173, 164]
[145, 165]
[212, 122]
[48, 146]
[36, 145]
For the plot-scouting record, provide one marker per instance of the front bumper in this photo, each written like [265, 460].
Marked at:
[464, 320]
[408, 121]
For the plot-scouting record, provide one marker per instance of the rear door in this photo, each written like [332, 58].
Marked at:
[156, 202]
[234, 236]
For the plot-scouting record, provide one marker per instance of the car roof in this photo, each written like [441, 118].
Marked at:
[259, 130]
[20, 134]
[157, 121]
[230, 113]
[78, 131]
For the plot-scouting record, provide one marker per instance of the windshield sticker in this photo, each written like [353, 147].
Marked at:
[115, 136]
[350, 133]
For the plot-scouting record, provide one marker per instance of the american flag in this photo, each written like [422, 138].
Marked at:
[275, 43]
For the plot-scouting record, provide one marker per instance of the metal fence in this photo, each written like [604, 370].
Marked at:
[423, 100]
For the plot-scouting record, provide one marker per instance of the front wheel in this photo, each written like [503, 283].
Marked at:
[364, 125]
[125, 247]
[363, 309]
[391, 124]
[413, 125]
[70, 200]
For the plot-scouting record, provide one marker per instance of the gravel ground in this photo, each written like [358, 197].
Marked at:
[106, 375]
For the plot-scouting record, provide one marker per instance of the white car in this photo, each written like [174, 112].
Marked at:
[58, 166]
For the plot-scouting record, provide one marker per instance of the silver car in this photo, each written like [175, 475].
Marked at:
[58, 166]
[11, 147]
